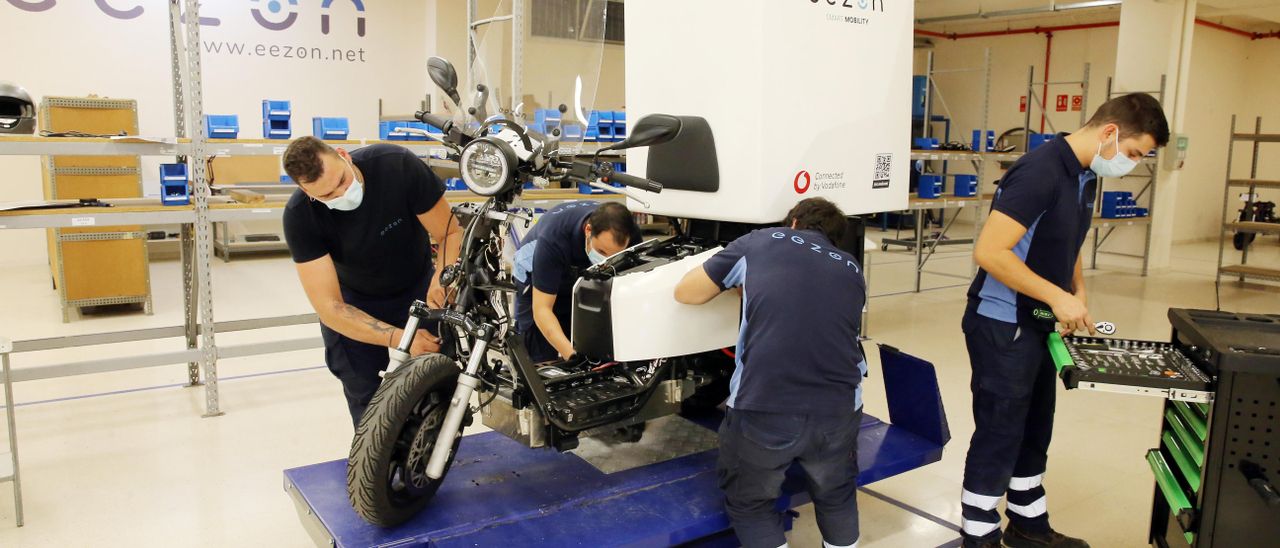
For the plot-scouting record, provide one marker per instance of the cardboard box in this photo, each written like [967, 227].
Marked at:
[234, 170]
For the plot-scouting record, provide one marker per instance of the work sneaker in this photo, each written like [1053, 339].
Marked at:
[1017, 538]
[981, 544]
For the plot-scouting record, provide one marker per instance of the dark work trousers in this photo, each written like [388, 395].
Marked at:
[757, 448]
[1014, 388]
[357, 364]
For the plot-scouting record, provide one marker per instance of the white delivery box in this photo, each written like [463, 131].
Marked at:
[805, 98]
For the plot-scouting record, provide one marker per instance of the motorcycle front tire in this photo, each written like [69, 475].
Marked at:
[1243, 240]
[386, 471]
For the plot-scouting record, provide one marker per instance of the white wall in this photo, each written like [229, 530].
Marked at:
[1262, 80]
[1219, 67]
[1229, 74]
[1010, 58]
[74, 49]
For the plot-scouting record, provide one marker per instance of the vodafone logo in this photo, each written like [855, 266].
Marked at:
[802, 181]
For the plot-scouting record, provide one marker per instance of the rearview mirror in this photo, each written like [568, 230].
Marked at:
[445, 77]
[651, 130]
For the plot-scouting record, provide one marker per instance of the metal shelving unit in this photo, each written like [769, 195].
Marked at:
[925, 247]
[9, 462]
[1244, 270]
[188, 145]
[1148, 191]
[1035, 100]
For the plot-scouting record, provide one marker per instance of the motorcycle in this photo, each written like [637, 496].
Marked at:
[1253, 212]
[406, 442]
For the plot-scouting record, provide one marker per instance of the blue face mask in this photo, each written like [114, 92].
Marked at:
[1118, 166]
[351, 198]
[594, 256]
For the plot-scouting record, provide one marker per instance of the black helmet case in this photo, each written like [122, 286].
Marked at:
[17, 112]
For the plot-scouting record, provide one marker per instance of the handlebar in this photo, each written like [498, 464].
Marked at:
[590, 172]
[437, 121]
[453, 134]
[633, 181]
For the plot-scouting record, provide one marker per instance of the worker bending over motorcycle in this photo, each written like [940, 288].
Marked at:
[567, 239]
[358, 229]
[796, 395]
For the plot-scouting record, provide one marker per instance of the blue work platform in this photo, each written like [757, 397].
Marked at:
[501, 492]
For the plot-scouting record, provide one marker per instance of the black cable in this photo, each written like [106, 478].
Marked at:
[47, 133]
[1217, 294]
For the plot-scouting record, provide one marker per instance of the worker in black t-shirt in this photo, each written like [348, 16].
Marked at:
[358, 229]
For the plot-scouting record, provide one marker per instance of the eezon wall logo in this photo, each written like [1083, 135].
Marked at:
[802, 182]
[269, 14]
[866, 5]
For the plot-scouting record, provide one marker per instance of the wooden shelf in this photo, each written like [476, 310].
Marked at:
[1260, 183]
[1102, 222]
[1255, 272]
[1258, 228]
[1257, 137]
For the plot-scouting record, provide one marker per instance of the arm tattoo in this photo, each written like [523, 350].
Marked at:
[355, 314]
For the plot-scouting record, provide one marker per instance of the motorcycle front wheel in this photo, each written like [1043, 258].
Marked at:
[1243, 240]
[387, 479]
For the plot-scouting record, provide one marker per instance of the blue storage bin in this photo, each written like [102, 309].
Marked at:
[548, 118]
[584, 188]
[966, 186]
[222, 126]
[1118, 205]
[276, 119]
[930, 186]
[924, 143]
[619, 125]
[1038, 139]
[919, 85]
[572, 133]
[454, 183]
[174, 187]
[980, 145]
[387, 131]
[276, 110]
[335, 129]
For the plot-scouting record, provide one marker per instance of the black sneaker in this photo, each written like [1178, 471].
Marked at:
[980, 544]
[1017, 538]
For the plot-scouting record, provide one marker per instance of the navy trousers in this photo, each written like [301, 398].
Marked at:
[1014, 386]
[757, 448]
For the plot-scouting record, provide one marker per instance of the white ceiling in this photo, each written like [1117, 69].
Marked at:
[1249, 15]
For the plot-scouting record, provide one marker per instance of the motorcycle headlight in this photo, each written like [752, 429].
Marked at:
[488, 166]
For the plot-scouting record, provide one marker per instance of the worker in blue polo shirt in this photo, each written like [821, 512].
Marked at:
[796, 395]
[567, 239]
[1030, 282]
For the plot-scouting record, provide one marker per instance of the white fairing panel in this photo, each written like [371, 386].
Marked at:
[648, 323]
[805, 97]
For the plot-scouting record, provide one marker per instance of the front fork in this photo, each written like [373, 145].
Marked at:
[468, 382]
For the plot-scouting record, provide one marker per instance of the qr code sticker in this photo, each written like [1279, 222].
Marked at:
[884, 166]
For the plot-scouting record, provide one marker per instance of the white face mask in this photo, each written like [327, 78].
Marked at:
[1118, 166]
[351, 198]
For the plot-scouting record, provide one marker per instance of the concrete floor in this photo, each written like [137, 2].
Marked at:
[125, 459]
